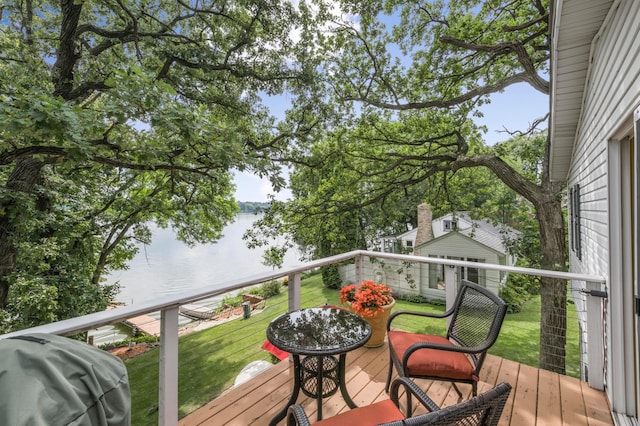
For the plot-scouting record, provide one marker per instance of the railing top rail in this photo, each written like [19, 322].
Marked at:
[111, 316]
[491, 266]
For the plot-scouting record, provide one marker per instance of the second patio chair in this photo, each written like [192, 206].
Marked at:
[482, 410]
[475, 321]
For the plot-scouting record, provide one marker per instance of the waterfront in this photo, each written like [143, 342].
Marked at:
[168, 266]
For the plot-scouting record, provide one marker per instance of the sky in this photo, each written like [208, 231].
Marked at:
[514, 109]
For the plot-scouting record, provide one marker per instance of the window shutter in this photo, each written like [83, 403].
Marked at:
[576, 238]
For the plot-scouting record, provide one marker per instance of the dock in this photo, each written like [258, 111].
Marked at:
[145, 324]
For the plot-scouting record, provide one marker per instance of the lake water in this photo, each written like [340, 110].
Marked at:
[167, 266]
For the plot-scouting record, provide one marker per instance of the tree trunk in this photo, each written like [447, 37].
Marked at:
[23, 178]
[553, 292]
[547, 200]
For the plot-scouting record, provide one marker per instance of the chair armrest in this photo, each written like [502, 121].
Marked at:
[416, 314]
[446, 348]
[297, 416]
[411, 389]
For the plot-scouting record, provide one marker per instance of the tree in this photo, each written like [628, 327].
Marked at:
[446, 58]
[113, 114]
[407, 77]
[326, 216]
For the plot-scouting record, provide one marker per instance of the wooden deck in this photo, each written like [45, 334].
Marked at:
[538, 397]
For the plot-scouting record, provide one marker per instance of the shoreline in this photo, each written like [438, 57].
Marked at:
[131, 350]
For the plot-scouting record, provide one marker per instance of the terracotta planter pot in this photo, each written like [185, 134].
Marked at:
[378, 325]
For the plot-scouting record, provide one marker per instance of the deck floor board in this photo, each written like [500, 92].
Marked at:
[539, 397]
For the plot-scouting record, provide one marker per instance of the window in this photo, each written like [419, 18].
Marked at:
[436, 274]
[476, 275]
[449, 225]
[574, 205]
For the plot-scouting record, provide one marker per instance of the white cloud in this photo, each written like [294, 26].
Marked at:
[250, 187]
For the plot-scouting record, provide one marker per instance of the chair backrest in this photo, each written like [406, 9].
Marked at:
[482, 410]
[477, 317]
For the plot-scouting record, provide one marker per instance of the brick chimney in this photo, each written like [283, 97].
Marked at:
[425, 230]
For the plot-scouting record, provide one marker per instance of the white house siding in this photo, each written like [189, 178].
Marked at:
[395, 274]
[390, 244]
[413, 279]
[473, 240]
[608, 103]
[456, 245]
[612, 93]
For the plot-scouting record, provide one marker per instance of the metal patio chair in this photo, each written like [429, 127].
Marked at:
[475, 321]
[484, 409]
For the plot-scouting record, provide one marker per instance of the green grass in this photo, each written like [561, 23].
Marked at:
[209, 360]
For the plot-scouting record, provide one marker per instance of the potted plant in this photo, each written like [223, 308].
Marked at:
[373, 302]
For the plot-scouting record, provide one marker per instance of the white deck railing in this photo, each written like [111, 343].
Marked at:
[168, 307]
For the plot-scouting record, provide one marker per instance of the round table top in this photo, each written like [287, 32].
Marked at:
[318, 331]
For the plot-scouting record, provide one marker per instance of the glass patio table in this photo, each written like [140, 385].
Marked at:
[319, 334]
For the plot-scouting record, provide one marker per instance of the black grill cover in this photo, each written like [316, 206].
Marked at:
[52, 380]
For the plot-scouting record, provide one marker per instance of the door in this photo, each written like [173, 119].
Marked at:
[635, 188]
[621, 330]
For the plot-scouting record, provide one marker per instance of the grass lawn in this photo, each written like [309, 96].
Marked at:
[211, 359]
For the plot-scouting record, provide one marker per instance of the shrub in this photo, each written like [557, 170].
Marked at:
[517, 290]
[139, 339]
[412, 298]
[231, 301]
[268, 289]
[331, 277]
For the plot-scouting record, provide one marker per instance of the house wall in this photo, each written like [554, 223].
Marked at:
[609, 102]
[408, 278]
[611, 95]
[455, 245]
[402, 277]
[392, 244]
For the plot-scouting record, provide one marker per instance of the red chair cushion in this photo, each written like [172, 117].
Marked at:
[431, 362]
[278, 353]
[374, 414]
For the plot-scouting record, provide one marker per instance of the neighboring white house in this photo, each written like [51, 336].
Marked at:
[457, 236]
[402, 243]
[454, 236]
[594, 129]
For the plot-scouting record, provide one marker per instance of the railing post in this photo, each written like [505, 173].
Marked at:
[294, 292]
[450, 288]
[168, 386]
[359, 268]
[595, 336]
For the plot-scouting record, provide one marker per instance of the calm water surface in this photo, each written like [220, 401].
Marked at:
[167, 266]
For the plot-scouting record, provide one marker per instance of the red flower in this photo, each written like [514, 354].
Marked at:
[368, 299]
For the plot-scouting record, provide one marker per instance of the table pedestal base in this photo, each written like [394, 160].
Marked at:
[314, 368]
[306, 374]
